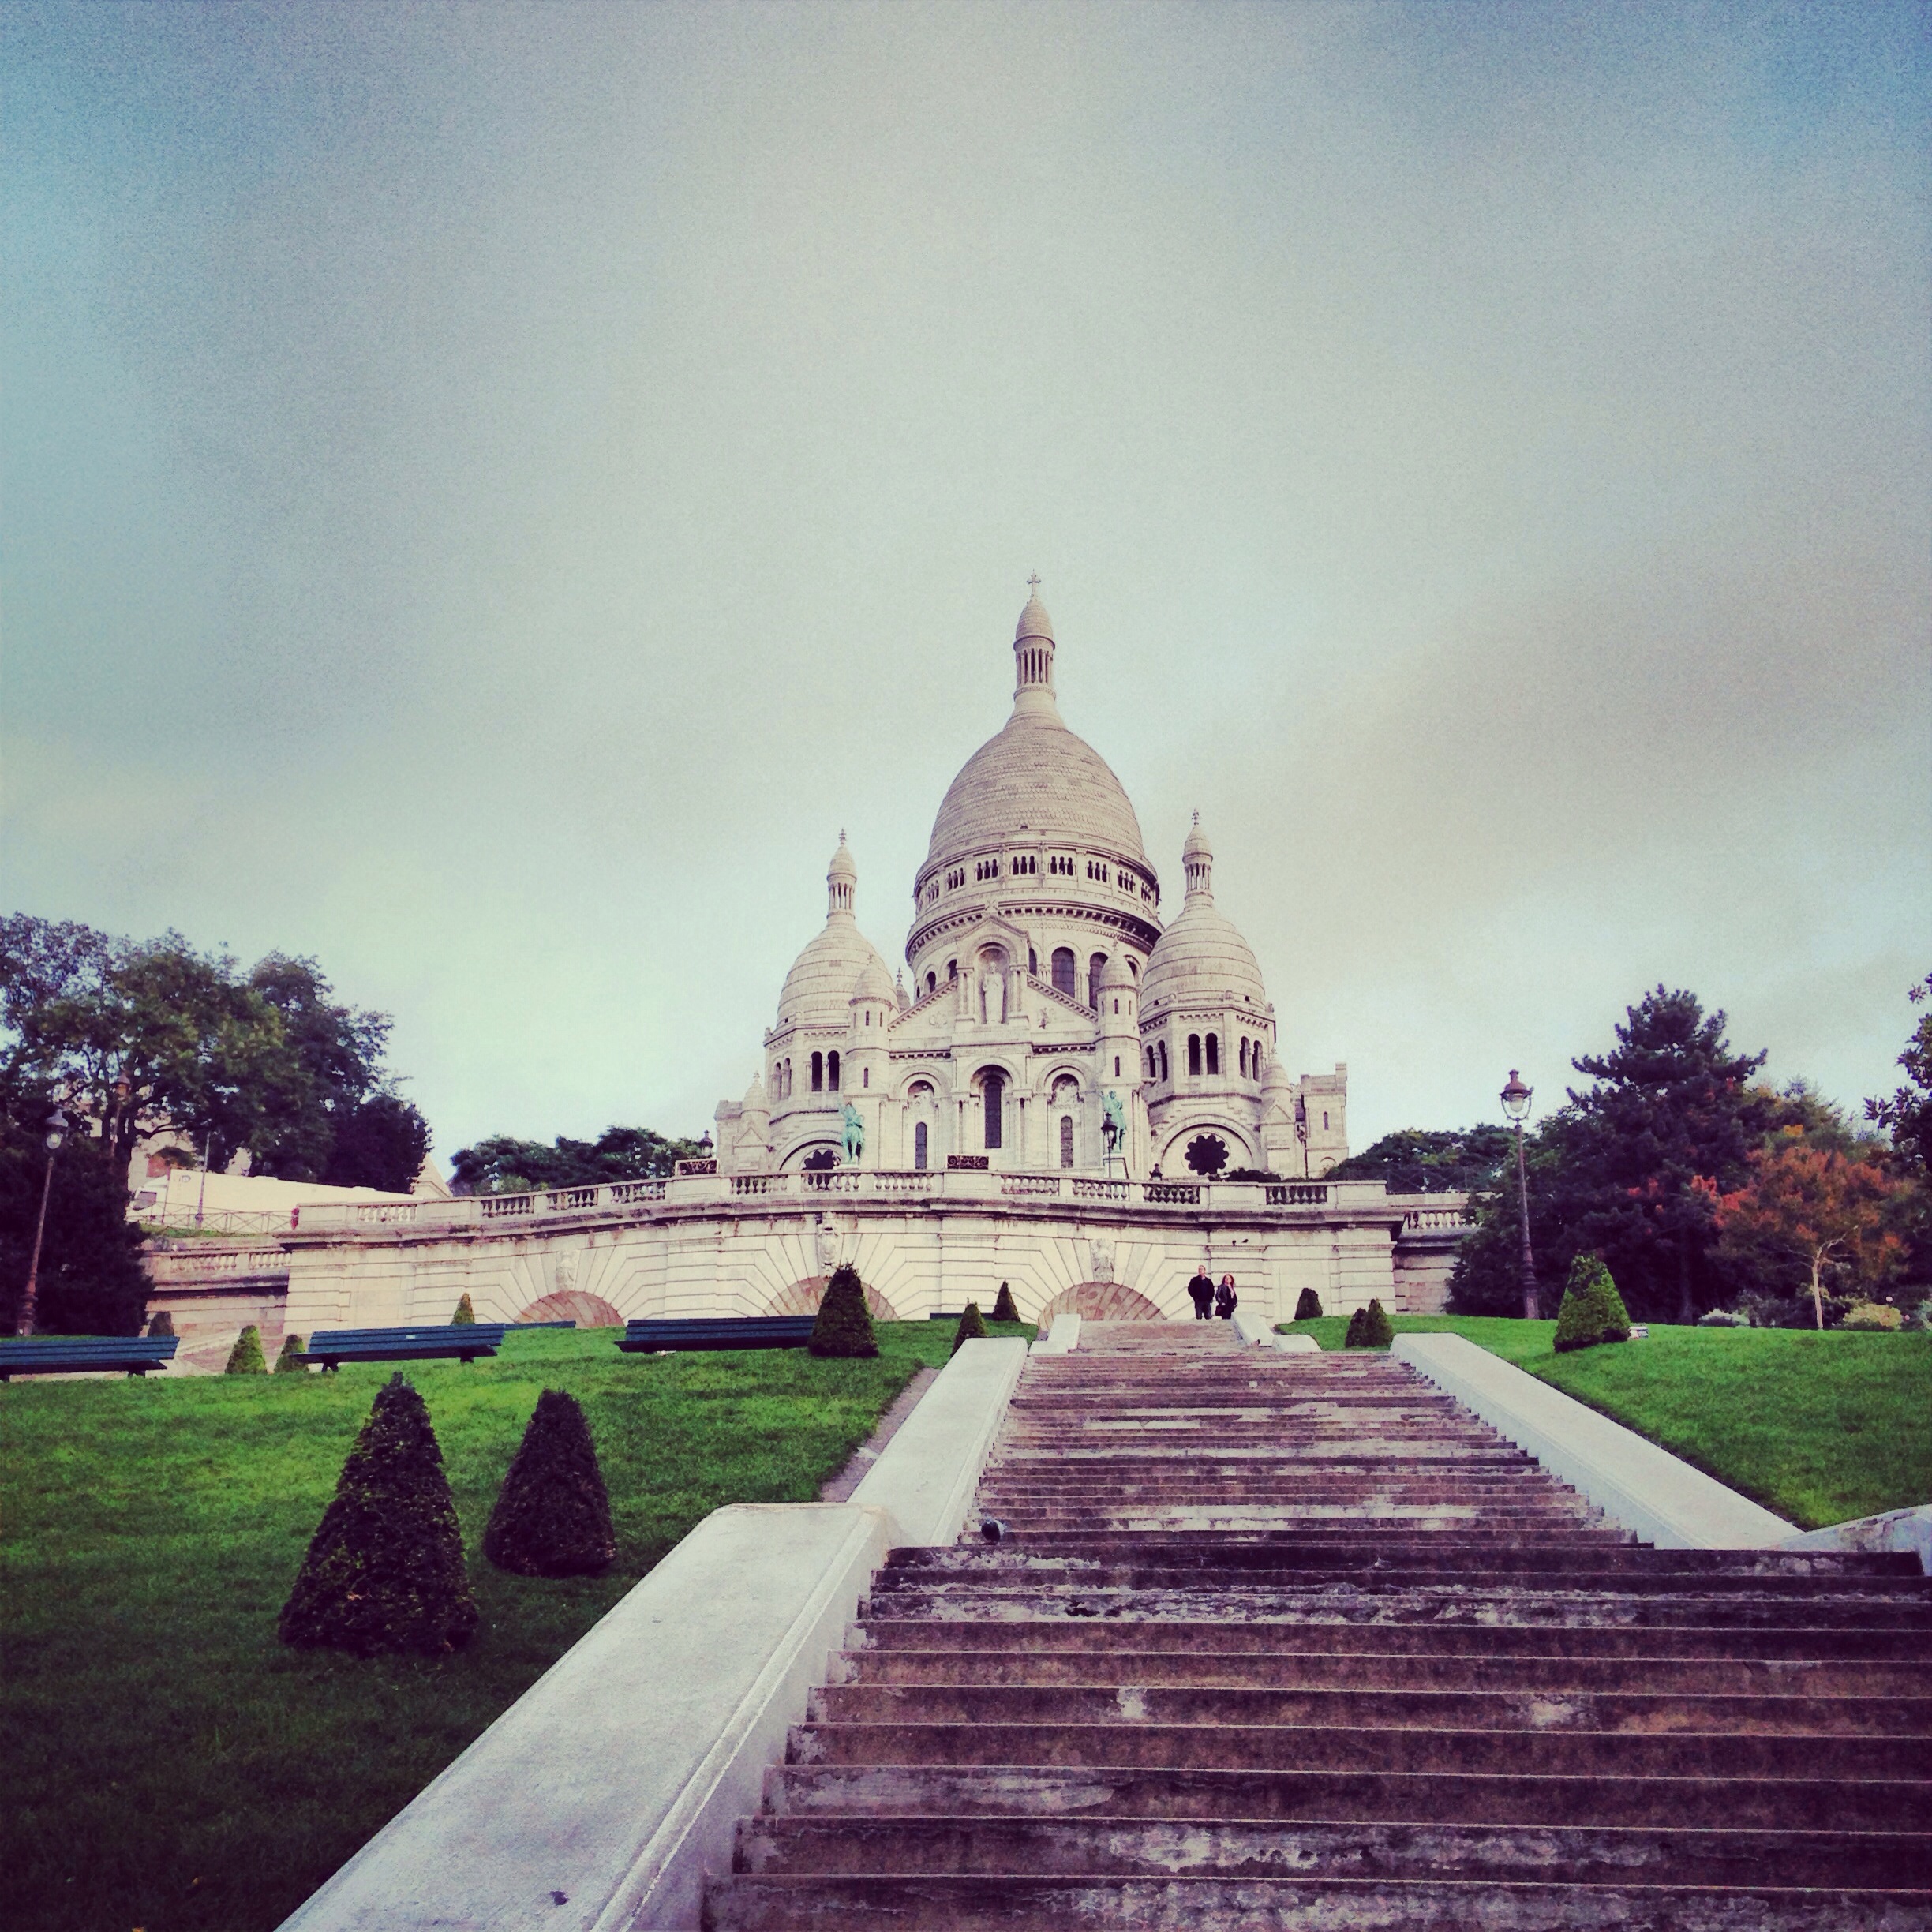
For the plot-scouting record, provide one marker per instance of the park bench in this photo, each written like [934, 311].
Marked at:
[655, 1336]
[84, 1354]
[439, 1341]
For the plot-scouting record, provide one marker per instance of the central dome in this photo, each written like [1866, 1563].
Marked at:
[1035, 779]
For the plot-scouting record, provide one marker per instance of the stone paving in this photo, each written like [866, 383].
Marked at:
[1273, 1641]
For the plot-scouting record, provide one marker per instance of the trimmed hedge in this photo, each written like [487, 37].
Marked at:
[1308, 1306]
[1003, 1307]
[286, 1363]
[552, 1515]
[162, 1322]
[465, 1316]
[843, 1329]
[1369, 1327]
[246, 1357]
[972, 1328]
[1593, 1311]
[384, 1570]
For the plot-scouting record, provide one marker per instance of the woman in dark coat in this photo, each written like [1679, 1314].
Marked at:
[1225, 1300]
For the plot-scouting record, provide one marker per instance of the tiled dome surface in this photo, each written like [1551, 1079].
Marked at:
[1201, 957]
[818, 988]
[1035, 775]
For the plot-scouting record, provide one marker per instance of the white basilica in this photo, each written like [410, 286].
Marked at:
[1051, 1021]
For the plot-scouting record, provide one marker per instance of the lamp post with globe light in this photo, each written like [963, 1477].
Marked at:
[1516, 1098]
[56, 1133]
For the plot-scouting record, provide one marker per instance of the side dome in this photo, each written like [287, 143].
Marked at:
[874, 983]
[1201, 958]
[818, 990]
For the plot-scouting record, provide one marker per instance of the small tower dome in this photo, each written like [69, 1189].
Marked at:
[1115, 975]
[873, 983]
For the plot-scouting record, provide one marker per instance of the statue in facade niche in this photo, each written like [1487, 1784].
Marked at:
[1113, 1122]
[854, 1131]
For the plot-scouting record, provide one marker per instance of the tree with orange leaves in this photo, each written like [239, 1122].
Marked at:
[1811, 1204]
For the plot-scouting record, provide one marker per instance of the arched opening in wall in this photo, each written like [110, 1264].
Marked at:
[992, 1109]
[1032, 963]
[1214, 1052]
[992, 964]
[920, 1146]
[587, 1311]
[1064, 970]
[1193, 1055]
[1163, 1060]
[820, 1158]
[802, 1297]
[1093, 967]
[818, 1072]
[1244, 1056]
[951, 971]
[932, 982]
[1098, 1301]
[1206, 1156]
[1066, 1140]
[832, 1070]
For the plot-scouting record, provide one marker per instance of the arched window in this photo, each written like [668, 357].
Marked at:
[831, 1072]
[1151, 1065]
[1163, 1059]
[992, 1093]
[1244, 1056]
[1214, 1052]
[919, 1146]
[932, 982]
[1324, 1123]
[1066, 1140]
[1094, 966]
[865, 1077]
[1064, 970]
[1032, 962]
[952, 969]
[818, 1072]
[1194, 1055]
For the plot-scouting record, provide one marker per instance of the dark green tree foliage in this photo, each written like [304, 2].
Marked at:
[502, 1165]
[1308, 1306]
[552, 1514]
[287, 1363]
[1369, 1327]
[381, 1143]
[1003, 1308]
[1592, 1311]
[385, 1570]
[1631, 1169]
[91, 1281]
[465, 1316]
[161, 1324]
[1424, 1160]
[1907, 1115]
[844, 1328]
[972, 1328]
[246, 1357]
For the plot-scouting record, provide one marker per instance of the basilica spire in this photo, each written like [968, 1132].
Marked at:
[1197, 862]
[841, 880]
[1033, 655]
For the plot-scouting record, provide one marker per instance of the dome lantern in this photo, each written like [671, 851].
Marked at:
[1033, 655]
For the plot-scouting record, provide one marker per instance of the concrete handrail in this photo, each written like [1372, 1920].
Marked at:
[1644, 1489]
[1062, 1337]
[1897, 1530]
[601, 1799]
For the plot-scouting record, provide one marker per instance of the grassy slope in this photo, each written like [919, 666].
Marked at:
[1819, 1428]
[168, 1764]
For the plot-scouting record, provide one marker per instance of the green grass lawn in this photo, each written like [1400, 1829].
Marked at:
[1819, 1428]
[168, 1764]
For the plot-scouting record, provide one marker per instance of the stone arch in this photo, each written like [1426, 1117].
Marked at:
[587, 1311]
[1098, 1301]
[795, 1157]
[802, 1297]
[1173, 1154]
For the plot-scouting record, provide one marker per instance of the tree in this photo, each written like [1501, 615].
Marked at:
[91, 1280]
[1593, 1311]
[246, 1357]
[500, 1164]
[1808, 1208]
[384, 1571]
[1432, 1161]
[382, 1143]
[1308, 1306]
[843, 1328]
[972, 1328]
[290, 1361]
[1907, 1114]
[1003, 1309]
[1369, 1327]
[552, 1518]
[465, 1316]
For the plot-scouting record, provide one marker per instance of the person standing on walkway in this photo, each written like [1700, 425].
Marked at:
[1225, 1300]
[1200, 1291]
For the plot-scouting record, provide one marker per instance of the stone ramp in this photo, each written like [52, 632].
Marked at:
[1277, 1640]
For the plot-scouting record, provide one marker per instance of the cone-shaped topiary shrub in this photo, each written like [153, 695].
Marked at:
[1592, 1311]
[552, 1515]
[1003, 1308]
[246, 1357]
[162, 1324]
[842, 1328]
[465, 1316]
[385, 1570]
[1369, 1327]
[286, 1363]
[972, 1327]
[1308, 1306]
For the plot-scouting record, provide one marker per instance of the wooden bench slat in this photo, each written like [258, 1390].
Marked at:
[671, 1334]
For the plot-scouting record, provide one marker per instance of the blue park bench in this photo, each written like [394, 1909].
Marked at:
[437, 1342]
[655, 1336]
[84, 1354]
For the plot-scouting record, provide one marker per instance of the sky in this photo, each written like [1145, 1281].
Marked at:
[489, 492]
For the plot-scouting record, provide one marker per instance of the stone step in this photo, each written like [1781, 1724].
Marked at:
[1529, 1752]
[1720, 1677]
[1881, 1803]
[951, 1842]
[981, 1903]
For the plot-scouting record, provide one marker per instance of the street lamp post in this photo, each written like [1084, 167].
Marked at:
[56, 1133]
[1516, 1098]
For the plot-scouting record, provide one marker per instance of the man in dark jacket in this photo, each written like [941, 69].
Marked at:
[1200, 1291]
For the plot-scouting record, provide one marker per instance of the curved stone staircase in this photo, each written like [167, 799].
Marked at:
[1275, 1641]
